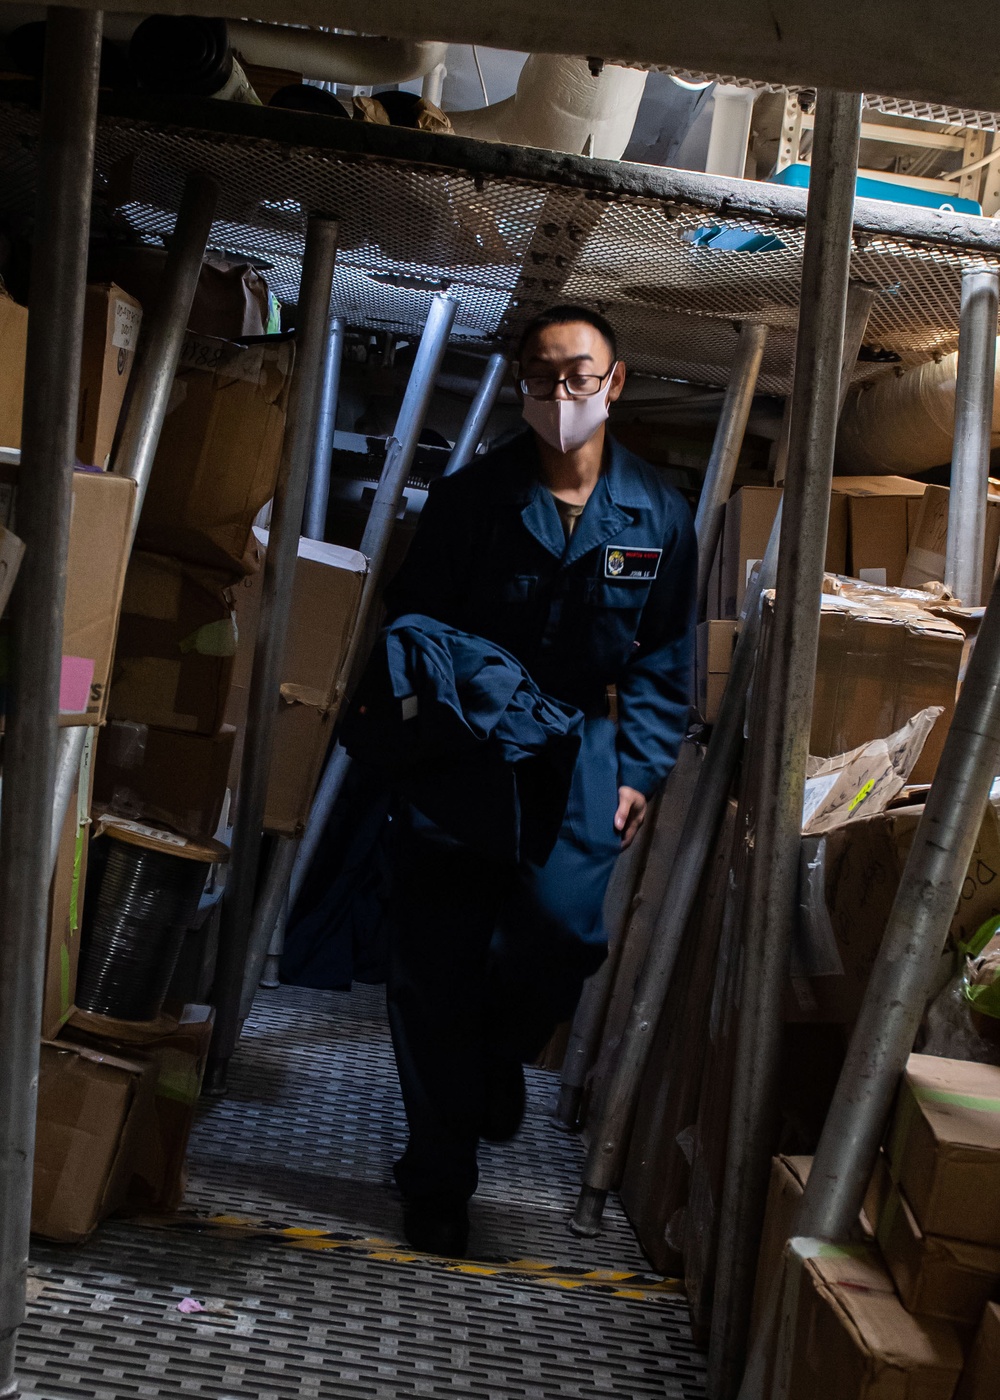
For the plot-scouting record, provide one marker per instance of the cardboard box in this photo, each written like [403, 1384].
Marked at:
[874, 671]
[925, 561]
[979, 1379]
[944, 1147]
[69, 883]
[854, 1340]
[110, 339]
[746, 529]
[325, 598]
[176, 1060]
[94, 1111]
[935, 1276]
[176, 646]
[13, 345]
[788, 1179]
[219, 452]
[878, 511]
[163, 776]
[110, 335]
[713, 657]
[99, 537]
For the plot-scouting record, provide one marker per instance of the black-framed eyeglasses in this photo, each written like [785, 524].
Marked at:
[578, 386]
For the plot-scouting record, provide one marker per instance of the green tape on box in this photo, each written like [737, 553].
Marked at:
[74, 894]
[976, 1101]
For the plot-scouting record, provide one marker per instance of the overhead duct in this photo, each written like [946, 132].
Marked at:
[356, 59]
[560, 105]
[905, 423]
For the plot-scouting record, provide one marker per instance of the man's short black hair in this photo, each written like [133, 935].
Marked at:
[564, 316]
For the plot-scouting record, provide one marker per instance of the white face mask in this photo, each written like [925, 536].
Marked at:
[567, 424]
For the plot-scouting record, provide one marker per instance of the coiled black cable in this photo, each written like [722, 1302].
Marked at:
[133, 930]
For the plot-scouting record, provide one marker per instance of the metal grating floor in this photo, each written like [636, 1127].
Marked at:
[306, 1138]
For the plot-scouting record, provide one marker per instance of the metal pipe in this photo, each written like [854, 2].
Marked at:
[70, 744]
[271, 976]
[327, 792]
[479, 411]
[773, 882]
[275, 605]
[708, 805]
[162, 336]
[374, 545]
[588, 1022]
[900, 985]
[318, 494]
[726, 447]
[267, 909]
[970, 456]
[609, 1139]
[45, 497]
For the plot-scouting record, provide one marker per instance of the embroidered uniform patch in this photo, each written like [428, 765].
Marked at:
[638, 564]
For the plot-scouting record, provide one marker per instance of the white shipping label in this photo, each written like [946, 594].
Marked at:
[126, 332]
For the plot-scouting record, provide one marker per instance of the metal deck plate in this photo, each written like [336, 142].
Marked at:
[306, 1138]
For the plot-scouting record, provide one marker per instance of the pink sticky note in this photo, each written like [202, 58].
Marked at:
[74, 684]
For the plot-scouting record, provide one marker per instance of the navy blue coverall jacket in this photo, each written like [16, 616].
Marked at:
[488, 956]
[614, 607]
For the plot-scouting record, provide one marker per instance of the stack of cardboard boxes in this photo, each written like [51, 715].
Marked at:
[888, 531]
[95, 573]
[167, 752]
[913, 1306]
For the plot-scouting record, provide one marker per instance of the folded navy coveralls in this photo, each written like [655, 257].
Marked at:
[491, 954]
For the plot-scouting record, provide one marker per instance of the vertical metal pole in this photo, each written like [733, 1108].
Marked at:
[970, 455]
[774, 871]
[318, 494]
[726, 447]
[374, 545]
[271, 976]
[275, 605]
[478, 416]
[48, 442]
[161, 337]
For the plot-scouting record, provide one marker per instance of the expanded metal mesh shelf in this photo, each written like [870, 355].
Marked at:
[508, 230]
[306, 1139]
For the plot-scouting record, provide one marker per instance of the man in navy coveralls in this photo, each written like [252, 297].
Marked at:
[573, 554]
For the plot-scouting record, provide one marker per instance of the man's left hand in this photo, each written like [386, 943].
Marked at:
[630, 815]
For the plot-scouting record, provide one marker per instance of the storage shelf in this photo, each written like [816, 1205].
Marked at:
[508, 230]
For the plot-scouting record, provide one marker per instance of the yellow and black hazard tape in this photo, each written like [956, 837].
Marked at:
[641, 1287]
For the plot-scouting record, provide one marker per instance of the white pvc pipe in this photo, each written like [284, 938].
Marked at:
[730, 134]
[561, 106]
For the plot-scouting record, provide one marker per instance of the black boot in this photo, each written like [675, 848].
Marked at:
[437, 1225]
[503, 1110]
